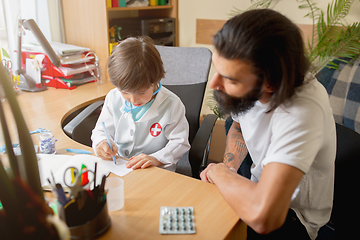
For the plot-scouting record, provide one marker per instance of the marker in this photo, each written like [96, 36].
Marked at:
[73, 175]
[84, 178]
[108, 141]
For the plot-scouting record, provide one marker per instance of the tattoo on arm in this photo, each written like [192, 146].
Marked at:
[228, 157]
[240, 146]
[236, 149]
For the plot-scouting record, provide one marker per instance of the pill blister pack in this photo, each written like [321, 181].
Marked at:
[177, 220]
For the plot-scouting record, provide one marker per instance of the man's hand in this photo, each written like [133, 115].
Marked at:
[203, 174]
[103, 150]
[142, 161]
[209, 170]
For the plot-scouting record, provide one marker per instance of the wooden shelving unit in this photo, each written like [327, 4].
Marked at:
[87, 23]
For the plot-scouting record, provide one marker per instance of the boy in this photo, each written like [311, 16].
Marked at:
[145, 121]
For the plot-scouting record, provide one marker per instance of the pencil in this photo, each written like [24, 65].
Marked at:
[108, 141]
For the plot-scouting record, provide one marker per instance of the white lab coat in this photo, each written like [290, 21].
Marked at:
[161, 132]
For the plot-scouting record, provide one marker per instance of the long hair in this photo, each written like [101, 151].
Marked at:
[135, 64]
[271, 44]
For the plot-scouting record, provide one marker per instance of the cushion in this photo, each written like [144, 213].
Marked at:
[343, 87]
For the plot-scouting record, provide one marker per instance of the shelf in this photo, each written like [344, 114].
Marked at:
[139, 8]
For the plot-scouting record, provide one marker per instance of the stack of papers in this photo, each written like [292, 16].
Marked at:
[75, 58]
[76, 69]
[60, 49]
[77, 65]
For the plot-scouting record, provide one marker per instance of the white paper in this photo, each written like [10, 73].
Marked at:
[40, 58]
[119, 169]
[76, 68]
[50, 163]
[33, 69]
[59, 48]
[57, 164]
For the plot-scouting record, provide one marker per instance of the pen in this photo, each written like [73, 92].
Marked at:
[102, 189]
[95, 171]
[80, 151]
[108, 141]
[53, 178]
[61, 194]
[53, 188]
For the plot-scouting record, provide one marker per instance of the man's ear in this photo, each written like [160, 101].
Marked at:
[268, 88]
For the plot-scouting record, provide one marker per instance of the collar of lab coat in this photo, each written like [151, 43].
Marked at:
[153, 110]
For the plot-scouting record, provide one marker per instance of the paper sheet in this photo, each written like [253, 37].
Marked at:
[119, 169]
[59, 163]
[33, 70]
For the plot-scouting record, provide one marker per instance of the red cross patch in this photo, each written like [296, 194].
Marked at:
[155, 129]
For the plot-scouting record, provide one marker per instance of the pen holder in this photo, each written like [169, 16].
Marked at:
[92, 228]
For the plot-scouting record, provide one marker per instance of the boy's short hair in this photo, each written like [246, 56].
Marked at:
[135, 64]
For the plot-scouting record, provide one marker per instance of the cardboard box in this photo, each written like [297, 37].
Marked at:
[218, 141]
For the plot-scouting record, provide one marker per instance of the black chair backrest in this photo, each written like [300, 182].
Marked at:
[187, 70]
[347, 165]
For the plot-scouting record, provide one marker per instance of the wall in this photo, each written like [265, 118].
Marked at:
[190, 10]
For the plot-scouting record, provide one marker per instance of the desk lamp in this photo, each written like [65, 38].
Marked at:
[27, 83]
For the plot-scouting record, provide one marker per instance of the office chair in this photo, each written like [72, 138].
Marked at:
[347, 165]
[343, 223]
[187, 71]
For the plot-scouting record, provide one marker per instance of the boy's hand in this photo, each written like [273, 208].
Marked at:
[103, 150]
[142, 161]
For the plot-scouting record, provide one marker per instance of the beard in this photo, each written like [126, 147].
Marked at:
[233, 105]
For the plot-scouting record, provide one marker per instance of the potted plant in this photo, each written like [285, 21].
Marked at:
[24, 213]
[332, 38]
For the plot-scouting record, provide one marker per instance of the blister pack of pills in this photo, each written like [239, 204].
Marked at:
[177, 220]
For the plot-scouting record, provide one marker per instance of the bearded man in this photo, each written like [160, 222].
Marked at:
[282, 118]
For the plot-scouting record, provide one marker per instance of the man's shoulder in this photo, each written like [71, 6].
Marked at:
[311, 94]
[312, 89]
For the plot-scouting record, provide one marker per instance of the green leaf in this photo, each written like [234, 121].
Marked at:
[7, 195]
[28, 166]
[332, 38]
[4, 53]
[12, 158]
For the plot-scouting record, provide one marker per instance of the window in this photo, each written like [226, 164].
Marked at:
[45, 14]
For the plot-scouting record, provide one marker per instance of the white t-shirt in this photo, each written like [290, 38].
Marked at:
[301, 134]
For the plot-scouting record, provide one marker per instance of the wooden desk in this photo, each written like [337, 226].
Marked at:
[145, 190]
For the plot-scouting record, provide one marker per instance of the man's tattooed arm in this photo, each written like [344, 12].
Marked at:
[236, 150]
[228, 157]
